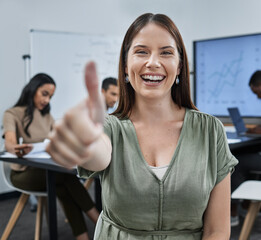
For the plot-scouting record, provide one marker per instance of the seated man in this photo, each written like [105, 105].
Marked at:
[255, 85]
[249, 158]
[110, 92]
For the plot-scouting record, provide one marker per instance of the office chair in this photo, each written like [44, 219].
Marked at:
[249, 190]
[6, 170]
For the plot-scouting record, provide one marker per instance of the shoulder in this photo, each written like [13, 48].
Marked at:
[15, 112]
[115, 121]
[198, 117]
[200, 122]
[113, 125]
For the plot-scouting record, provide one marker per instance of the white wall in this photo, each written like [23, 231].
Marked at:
[196, 19]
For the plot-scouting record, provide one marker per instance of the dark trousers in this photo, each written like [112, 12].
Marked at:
[73, 196]
[98, 194]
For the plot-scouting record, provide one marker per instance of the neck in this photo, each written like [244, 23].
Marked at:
[155, 111]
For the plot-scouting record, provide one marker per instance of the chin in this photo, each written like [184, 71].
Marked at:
[40, 108]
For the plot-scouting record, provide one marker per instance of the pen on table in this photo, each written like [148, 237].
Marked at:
[20, 143]
[21, 140]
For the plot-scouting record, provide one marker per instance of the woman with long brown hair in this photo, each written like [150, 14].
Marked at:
[164, 166]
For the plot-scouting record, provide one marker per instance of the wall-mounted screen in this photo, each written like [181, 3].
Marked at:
[222, 70]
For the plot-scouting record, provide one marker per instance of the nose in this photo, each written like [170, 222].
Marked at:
[47, 99]
[115, 99]
[153, 61]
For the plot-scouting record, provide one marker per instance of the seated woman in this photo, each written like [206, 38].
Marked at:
[31, 120]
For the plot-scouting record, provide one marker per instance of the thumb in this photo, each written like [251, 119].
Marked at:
[91, 81]
[95, 102]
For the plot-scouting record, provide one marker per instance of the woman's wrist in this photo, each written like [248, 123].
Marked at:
[99, 154]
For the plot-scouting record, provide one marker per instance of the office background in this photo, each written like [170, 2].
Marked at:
[196, 19]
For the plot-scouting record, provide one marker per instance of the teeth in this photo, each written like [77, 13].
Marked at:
[152, 78]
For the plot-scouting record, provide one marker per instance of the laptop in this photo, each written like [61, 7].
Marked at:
[239, 124]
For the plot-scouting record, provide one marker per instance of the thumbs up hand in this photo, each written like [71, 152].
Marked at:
[95, 102]
[78, 139]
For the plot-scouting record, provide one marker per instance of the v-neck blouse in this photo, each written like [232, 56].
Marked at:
[138, 205]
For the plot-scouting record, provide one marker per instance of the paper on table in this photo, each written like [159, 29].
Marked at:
[38, 151]
[229, 140]
[39, 147]
[230, 129]
[34, 155]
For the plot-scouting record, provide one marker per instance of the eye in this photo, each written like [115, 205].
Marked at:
[141, 52]
[167, 53]
[44, 93]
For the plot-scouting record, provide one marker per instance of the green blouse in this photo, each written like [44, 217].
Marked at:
[137, 205]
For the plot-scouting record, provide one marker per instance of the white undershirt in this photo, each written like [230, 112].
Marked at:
[159, 171]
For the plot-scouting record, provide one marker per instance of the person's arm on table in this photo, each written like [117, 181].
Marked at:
[11, 145]
[217, 215]
[256, 129]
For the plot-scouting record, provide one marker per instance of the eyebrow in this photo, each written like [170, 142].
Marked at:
[144, 46]
[167, 47]
[138, 46]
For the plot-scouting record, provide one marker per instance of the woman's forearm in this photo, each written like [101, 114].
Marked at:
[10, 147]
[10, 142]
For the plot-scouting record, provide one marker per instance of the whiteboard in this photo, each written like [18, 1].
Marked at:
[63, 55]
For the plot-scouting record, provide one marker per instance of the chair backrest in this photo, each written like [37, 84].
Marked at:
[250, 190]
[6, 171]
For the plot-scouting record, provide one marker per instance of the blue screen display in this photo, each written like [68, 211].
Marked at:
[222, 69]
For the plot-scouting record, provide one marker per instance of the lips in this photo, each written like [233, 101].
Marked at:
[152, 78]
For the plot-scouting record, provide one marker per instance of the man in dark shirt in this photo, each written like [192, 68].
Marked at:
[255, 85]
[249, 164]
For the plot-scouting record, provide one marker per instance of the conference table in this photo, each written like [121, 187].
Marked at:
[242, 143]
[51, 168]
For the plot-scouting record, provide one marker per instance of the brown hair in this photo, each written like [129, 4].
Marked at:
[180, 93]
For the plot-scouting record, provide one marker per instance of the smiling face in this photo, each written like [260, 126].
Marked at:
[152, 62]
[43, 96]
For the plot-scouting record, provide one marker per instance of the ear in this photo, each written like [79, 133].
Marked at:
[103, 91]
[179, 69]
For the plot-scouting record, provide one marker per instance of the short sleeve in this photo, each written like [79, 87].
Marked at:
[225, 160]
[9, 122]
[84, 173]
